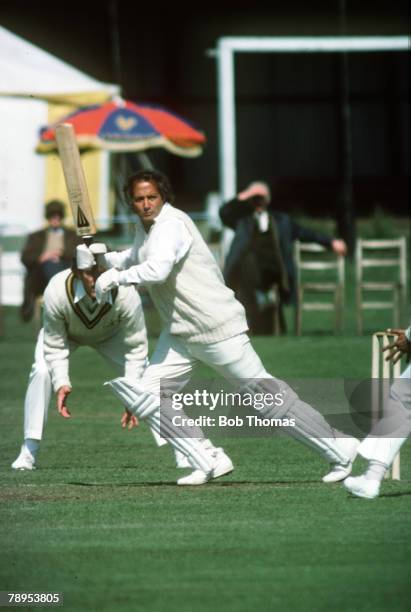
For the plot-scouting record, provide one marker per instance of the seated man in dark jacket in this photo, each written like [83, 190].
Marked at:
[261, 253]
[46, 252]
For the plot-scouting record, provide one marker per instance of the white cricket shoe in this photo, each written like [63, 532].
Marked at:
[339, 471]
[360, 486]
[222, 465]
[198, 477]
[25, 461]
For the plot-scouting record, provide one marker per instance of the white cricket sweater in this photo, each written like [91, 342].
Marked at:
[87, 323]
[193, 301]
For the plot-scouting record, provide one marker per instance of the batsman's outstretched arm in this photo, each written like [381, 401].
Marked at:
[170, 242]
[120, 260]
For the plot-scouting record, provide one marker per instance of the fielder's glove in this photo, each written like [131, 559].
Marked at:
[105, 283]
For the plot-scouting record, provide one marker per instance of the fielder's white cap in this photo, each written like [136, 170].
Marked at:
[85, 255]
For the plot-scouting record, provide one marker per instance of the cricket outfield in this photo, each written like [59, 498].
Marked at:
[102, 521]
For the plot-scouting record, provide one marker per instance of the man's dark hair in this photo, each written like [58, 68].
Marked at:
[152, 176]
[54, 207]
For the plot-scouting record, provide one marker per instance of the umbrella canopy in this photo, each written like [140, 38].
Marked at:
[123, 126]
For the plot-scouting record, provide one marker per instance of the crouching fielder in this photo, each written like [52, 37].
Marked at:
[202, 322]
[383, 444]
[73, 318]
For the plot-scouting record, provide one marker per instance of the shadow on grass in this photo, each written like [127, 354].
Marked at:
[399, 494]
[160, 483]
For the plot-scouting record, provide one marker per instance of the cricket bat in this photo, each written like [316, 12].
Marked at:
[75, 182]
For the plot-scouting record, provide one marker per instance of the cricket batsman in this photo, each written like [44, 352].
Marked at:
[202, 322]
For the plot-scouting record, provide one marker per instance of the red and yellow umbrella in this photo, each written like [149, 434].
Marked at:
[122, 126]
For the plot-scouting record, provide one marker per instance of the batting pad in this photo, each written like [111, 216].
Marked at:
[313, 430]
[272, 386]
[192, 448]
[139, 402]
[146, 406]
[310, 426]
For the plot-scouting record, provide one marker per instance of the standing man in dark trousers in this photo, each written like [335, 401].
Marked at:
[261, 253]
[46, 252]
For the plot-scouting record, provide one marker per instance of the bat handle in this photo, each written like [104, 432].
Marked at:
[88, 240]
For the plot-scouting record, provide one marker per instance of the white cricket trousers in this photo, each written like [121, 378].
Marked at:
[384, 449]
[39, 389]
[235, 359]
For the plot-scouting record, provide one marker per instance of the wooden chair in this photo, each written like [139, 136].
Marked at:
[380, 268]
[319, 271]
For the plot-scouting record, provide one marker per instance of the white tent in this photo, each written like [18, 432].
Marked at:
[34, 86]
[35, 89]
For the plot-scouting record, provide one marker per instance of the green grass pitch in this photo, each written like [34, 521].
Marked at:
[102, 521]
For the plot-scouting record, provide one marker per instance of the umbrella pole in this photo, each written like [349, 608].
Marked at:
[145, 161]
[121, 211]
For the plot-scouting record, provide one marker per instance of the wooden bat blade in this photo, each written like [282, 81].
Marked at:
[75, 180]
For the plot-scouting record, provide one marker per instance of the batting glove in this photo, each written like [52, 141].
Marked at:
[105, 283]
[99, 249]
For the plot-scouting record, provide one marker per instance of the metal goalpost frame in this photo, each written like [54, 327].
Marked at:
[229, 45]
